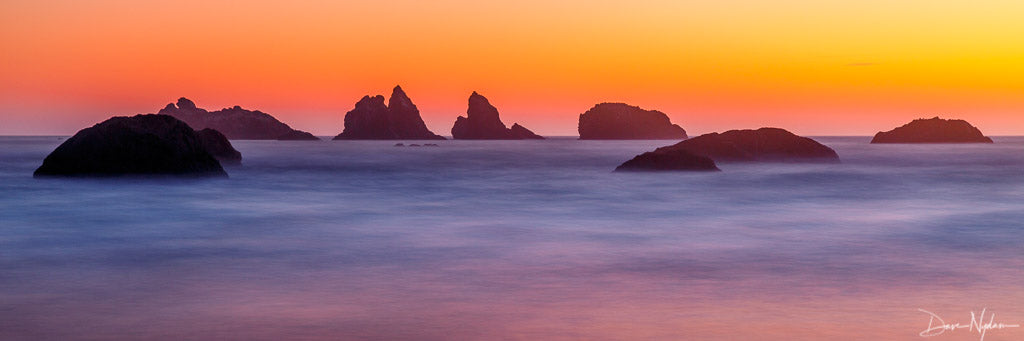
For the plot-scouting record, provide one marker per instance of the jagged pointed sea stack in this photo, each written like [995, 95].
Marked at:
[398, 120]
[137, 145]
[620, 121]
[934, 130]
[235, 123]
[483, 123]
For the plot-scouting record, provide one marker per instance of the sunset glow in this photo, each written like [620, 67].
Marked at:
[813, 67]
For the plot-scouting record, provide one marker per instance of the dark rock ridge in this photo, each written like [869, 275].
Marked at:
[398, 120]
[235, 123]
[761, 145]
[934, 130]
[620, 121]
[482, 123]
[219, 146]
[675, 160]
[137, 145]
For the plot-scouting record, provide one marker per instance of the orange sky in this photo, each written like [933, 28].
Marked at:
[815, 67]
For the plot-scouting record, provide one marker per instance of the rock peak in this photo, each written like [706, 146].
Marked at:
[399, 99]
[186, 104]
[371, 119]
[482, 122]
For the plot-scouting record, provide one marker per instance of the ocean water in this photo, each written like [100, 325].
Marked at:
[516, 240]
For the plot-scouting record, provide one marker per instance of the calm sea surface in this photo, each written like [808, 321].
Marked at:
[528, 240]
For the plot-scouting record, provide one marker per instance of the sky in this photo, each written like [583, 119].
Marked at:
[816, 67]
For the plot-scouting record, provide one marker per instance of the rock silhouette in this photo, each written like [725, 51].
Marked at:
[934, 130]
[620, 121]
[761, 145]
[520, 132]
[219, 146]
[668, 160]
[371, 119]
[137, 145]
[483, 123]
[235, 123]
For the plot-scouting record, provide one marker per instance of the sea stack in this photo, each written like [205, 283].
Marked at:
[137, 145]
[219, 146]
[620, 121]
[673, 160]
[761, 145]
[483, 123]
[934, 130]
[371, 119]
[235, 123]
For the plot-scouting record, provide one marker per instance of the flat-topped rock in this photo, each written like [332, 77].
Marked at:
[765, 144]
[399, 119]
[137, 145]
[219, 146]
[235, 123]
[934, 130]
[761, 145]
[668, 160]
[620, 121]
[482, 122]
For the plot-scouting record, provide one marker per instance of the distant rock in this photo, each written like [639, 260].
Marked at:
[235, 123]
[219, 146]
[482, 123]
[668, 160]
[137, 145]
[398, 120]
[399, 144]
[761, 145]
[620, 121]
[520, 132]
[934, 130]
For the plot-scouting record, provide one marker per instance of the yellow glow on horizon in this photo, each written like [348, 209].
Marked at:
[816, 67]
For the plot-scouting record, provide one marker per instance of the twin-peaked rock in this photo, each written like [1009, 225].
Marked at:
[371, 119]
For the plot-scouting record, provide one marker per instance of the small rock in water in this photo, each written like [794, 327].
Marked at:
[399, 144]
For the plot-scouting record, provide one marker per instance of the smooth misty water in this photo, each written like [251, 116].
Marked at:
[515, 240]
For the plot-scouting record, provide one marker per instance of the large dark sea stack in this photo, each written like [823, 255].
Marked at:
[235, 123]
[934, 130]
[219, 146]
[398, 120]
[482, 123]
[137, 145]
[762, 145]
[620, 121]
[668, 160]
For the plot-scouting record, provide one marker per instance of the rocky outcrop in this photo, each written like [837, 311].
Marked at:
[137, 145]
[235, 123]
[934, 130]
[761, 145]
[371, 119]
[482, 123]
[219, 146]
[668, 160]
[521, 133]
[620, 121]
